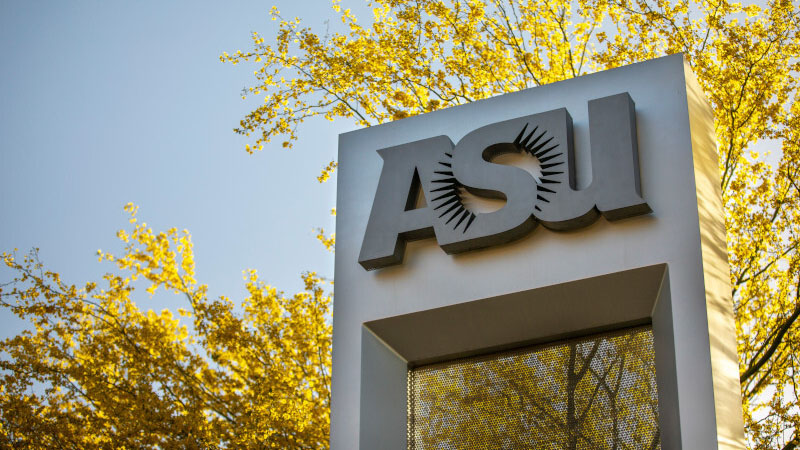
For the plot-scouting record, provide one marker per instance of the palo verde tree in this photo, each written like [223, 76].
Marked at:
[96, 370]
[417, 56]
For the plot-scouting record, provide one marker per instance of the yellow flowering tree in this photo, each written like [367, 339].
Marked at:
[98, 370]
[417, 56]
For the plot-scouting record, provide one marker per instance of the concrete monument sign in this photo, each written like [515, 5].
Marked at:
[612, 323]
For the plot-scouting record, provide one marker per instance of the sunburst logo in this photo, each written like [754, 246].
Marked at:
[449, 202]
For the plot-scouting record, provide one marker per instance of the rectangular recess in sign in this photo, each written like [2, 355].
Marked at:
[595, 392]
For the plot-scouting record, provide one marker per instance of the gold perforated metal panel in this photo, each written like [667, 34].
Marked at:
[597, 392]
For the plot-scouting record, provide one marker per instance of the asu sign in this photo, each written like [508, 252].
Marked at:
[443, 171]
[559, 155]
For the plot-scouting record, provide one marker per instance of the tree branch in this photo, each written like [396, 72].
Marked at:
[776, 342]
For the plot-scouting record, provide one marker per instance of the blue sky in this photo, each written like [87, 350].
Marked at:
[104, 103]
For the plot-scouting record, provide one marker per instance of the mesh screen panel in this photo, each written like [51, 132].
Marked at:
[596, 392]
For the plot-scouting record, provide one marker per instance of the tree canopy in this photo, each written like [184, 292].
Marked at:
[204, 385]
[97, 370]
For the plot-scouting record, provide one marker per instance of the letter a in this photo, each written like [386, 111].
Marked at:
[392, 222]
